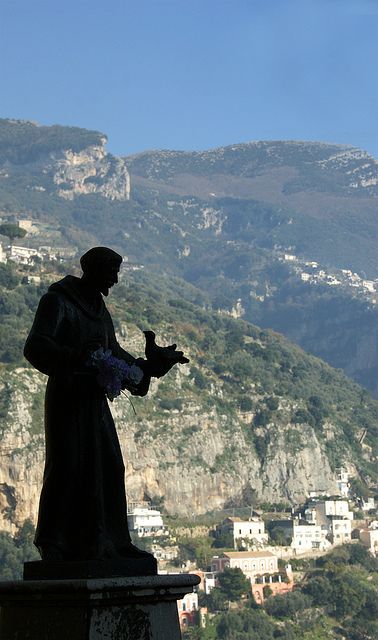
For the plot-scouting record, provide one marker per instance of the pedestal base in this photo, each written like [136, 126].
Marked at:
[133, 608]
[87, 569]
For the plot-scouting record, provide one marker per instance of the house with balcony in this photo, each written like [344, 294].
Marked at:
[251, 563]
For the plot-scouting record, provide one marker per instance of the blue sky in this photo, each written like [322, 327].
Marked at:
[194, 74]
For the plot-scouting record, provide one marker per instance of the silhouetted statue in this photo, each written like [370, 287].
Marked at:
[82, 513]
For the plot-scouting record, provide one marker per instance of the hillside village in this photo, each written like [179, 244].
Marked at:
[264, 546]
[314, 273]
[30, 253]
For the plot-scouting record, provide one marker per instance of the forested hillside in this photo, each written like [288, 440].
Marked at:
[223, 220]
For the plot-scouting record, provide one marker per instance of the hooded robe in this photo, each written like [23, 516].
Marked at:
[82, 507]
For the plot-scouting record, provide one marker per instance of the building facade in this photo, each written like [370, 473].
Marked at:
[251, 563]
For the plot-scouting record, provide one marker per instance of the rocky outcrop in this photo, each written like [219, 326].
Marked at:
[197, 459]
[91, 171]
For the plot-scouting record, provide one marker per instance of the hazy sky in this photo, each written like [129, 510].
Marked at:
[194, 74]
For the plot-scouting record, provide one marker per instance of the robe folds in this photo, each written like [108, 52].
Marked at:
[82, 509]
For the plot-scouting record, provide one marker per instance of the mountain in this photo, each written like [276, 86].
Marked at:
[317, 193]
[245, 224]
[251, 419]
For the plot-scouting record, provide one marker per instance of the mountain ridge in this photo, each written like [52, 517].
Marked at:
[227, 245]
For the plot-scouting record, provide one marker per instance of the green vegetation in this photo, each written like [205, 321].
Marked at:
[15, 551]
[22, 142]
[12, 231]
[288, 392]
[336, 600]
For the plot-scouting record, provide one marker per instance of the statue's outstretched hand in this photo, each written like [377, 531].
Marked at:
[161, 359]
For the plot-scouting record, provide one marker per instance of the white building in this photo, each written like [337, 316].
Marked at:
[3, 257]
[309, 536]
[243, 531]
[369, 538]
[145, 522]
[334, 518]
[331, 507]
[339, 529]
[369, 285]
[342, 479]
[252, 563]
[367, 504]
[23, 255]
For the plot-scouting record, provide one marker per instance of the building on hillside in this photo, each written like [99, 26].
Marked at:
[367, 504]
[188, 610]
[342, 480]
[243, 532]
[276, 585]
[332, 507]
[25, 223]
[339, 530]
[252, 563]
[208, 580]
[164, 555]
[145, 522]
[3, 255]
[24, 255]
[307, 536]
[334, 518]
[369, 538]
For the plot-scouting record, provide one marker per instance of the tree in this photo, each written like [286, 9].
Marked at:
[267, 591]
[24, 540]
[246, 624]
[320, 590]
[288, 605]
[280, 537]
[215, 600]
[224, 541]
[234, 584]
[10, 558]
[12, 231]
[349, 595]
[8, 278]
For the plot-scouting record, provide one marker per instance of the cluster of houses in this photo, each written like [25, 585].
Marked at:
[323, 522]
[311, 272]
[22, 254]
[30, 256]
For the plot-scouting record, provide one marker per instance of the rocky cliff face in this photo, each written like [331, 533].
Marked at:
[90, 171]
[198, 459]
[68, 161]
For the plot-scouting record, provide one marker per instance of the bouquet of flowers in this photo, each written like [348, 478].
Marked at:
[114, 374]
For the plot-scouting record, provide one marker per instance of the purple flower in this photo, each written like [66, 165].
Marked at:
[114, 374]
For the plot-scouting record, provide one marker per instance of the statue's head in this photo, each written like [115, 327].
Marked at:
[100, 267]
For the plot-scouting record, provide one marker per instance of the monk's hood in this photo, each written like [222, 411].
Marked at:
[72, 288]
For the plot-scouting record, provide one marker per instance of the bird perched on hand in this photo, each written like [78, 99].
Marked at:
[161, 359]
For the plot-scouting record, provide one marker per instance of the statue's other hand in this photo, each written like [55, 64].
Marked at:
[161, 359]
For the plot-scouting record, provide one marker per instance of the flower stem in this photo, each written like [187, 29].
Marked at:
[129, 399]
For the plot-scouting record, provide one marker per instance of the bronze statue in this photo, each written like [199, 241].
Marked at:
[82, 513]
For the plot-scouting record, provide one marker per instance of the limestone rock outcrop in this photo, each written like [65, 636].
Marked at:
[196, 459]
[91, 171]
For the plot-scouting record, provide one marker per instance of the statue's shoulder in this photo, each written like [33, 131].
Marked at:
[67, 289]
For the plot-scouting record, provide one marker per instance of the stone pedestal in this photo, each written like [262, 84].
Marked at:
[131, 608]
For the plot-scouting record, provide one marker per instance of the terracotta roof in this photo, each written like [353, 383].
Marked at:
[249, 554]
